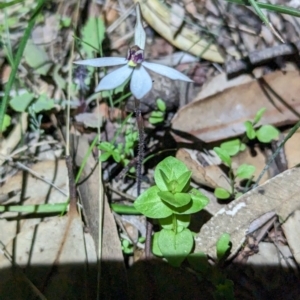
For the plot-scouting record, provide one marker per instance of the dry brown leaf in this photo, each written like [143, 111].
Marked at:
[35, 191]
[258, 161]
[177, 16]
[291, 230]
[279, 195]
[222, 115]
[157, 16]
[113, 282]
[292, 149]
[211, 176]
[54, 265]
[8, 144]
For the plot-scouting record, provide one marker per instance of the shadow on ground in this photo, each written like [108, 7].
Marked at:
[147, 280]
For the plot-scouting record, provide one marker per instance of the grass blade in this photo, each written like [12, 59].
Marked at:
[17, 60]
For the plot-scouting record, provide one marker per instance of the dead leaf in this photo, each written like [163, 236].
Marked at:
[211, 176]
[222, 115]
[113, 282]
[257, 159]
[292, 149]
[177, 17]
[279, 194]
[51, 263]
[291, 230]
[55, 172]
[8, 144]
[157, 16]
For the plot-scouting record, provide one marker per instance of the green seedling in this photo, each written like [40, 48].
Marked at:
[223, 287]
[158, 116]
[264, 134]
[171, 200]
[121, 152]
[244, 171]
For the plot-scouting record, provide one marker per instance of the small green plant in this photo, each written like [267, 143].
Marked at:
[171, 201]
[244, 171]
[121, 152]
[158, 115]
[265, 134]
[223, 287]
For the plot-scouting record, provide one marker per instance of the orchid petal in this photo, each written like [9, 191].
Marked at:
[141, 82]
[139, 32]
[102, 61]
[166, 71]
[114, 79]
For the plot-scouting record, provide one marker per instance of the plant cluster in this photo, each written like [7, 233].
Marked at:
[171, 201]
[158, 116]
[264, 134]
[121, 152]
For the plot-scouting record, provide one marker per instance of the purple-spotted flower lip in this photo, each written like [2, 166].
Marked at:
[134, 66]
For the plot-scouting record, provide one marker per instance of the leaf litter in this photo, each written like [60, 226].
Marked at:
[42, 251]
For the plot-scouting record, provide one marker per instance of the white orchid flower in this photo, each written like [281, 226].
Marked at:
[133, 66]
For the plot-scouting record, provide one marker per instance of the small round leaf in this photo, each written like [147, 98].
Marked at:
[245, 171]
[161, 104]
[150, 204]
[224, 156]
[267, 133]
[231, 147]
[221, 193]
[175, 247]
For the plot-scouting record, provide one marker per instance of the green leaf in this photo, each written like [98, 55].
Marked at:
[199, 201]
[233, 147]
[267, 133]
[106, 146]
[223, 245]
[221, 193]
[177, 200]
[155, 249]
[37, 58]
[157, 114]
[175, 247]
[21, 102]
[259, 115]
[165, 180]
[161, 105]
[116, 156]
[150, 204]
[93, 33]
[43, 103]
[181, 220]
[17, 59]
[250, 132]
[172, 168]
[183, 182]
[224, 156]
[105, 156]
[6, 122]
[154, 120]
[245, 171]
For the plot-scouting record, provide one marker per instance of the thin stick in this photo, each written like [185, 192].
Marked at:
[140, 125]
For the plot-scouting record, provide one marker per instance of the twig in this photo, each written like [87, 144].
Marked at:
[140, 125]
